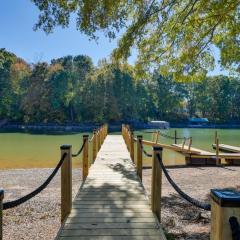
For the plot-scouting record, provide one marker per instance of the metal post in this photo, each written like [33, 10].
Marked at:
[156, 192]
[66, 182]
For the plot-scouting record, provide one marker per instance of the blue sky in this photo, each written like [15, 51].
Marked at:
[17, 18]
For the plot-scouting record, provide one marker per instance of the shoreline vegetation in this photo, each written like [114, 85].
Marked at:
[72, 89]
[76, 127]
[39, 218]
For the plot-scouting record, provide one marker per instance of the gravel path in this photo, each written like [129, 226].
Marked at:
[179, 218]
[39, 218]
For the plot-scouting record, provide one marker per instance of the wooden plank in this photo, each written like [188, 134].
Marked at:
[74, 212]
[151, 225]
[110, 206]
[111, 203]
[191, 150]
[111, 232]
[112, 210]
[110, 194]
[111, 220]
[116, 202]
[227, 148]
[109, 238]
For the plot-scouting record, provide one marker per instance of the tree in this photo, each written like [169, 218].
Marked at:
[35, 102]
[176, 35]
[167, 96]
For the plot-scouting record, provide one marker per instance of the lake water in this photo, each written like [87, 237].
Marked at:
[22, 150]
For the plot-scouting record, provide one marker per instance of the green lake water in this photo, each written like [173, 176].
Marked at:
[22, 150]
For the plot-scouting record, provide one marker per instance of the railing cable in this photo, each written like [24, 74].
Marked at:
[80, 150]
[235, 228]
[145, 152]
[15, 203]
[193, 201]
[168, 136]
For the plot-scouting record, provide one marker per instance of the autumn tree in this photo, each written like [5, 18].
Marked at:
[177, 35]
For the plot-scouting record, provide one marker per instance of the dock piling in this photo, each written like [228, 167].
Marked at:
[94, 143]
[1, 213]
[156, 192]
[66, 182]
[225, 205]
[139, 156]
[85, 157]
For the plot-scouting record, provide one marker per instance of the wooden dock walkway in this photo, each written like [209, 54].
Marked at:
[227, 148]
[111, 203]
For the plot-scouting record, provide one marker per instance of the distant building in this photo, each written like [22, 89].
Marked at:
[198, 121]
[159, 124]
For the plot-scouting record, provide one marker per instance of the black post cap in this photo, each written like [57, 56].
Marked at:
[139, 136]
[226, 197]
[86, 136]
[65, 147]
[157, 148]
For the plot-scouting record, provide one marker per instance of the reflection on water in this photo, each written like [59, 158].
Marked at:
[22, 150]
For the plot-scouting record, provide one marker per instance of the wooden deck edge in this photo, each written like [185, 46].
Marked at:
[149, 202]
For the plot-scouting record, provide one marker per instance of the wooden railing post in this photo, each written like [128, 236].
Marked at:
[175, 136]
[66, 182]
[1, 213]
[101, 135]
[106, 130]
[139, 156]
[85, 158]
[156, 192]
[224, 204]
[218, 160]
[98, 140]
[94, 147]
[215, 137]
[132, 145]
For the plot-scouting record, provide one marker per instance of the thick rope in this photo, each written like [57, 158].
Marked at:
[12, 204]
[80, 150]
[193, 201]
[145, 152]
[234, 224]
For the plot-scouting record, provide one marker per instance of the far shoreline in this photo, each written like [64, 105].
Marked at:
[73, 128]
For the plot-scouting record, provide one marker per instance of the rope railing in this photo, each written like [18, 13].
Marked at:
[224, 202]
[167, 136]
[144, 151]
[235, 228]
[17, 202]
[80, 150]
[195, 202]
